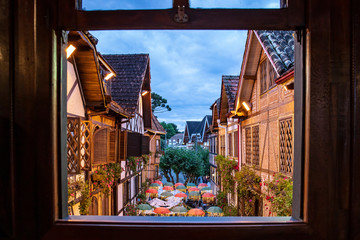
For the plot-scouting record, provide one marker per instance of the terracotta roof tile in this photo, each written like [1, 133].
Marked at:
[156, 126]
[130, 73]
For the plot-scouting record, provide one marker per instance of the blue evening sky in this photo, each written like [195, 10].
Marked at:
[186, 65]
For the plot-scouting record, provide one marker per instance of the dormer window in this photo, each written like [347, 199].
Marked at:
[267, 76]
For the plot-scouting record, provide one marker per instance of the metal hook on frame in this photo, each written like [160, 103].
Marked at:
[181, 16]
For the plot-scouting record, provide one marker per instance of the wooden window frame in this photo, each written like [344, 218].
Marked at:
[36, 159]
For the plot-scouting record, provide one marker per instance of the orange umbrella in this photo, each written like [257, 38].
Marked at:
[183, 195]
[168, 188]
[192, 189]
[196, 212]
[179, 184]
[158, 182]
[208, 198]
[208, 195]
[151, 190]
[162, 210]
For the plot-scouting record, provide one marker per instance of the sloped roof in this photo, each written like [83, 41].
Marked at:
[177, 136]
[230, 84]
[126, 86]
[280, 47]
[192, 126]
[156, 126]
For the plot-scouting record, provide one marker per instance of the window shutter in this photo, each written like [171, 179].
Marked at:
[255, 146]
[236, 144]
[85, 145]
[100, 146]
[112, 145]
[122, 152]
[145, 145]
[134, 144]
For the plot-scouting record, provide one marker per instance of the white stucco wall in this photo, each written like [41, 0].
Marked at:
[75, 104]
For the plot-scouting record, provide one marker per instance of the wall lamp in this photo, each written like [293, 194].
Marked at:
[109, 75]
[144, 92]
[246, 105]
[69, 50]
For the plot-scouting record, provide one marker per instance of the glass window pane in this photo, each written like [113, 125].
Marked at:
[235, 4]
[125, 4]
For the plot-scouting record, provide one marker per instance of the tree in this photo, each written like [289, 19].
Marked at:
[159, 104]
[170, 128]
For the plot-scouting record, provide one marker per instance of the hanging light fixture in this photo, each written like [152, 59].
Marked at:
[69, 50]
[109, 75]
[246, 106]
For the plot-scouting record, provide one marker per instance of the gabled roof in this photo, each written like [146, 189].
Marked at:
[192, 126]
[156, 126]
[131, 70]
[279, 46]
[230, 84]
[177, 136]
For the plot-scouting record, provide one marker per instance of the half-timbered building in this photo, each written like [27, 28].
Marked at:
[265, 103]
[131, 90]
[92, 119]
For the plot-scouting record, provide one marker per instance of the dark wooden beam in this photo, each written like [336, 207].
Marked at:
[177, 3]
[236, 19]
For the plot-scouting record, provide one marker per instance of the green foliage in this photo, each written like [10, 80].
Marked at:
[230, 210]
[106, 176]
[247, 183]
[134, 162]
[159, 104]
[130, 210]
[170, 128]
[190, 163]
[221, 199]
[280, 190]
[225, 169]
[141, 198]
[85, 200]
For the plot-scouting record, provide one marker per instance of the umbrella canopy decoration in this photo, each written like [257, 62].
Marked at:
[179, 211]
[144, 207]
[195, 196]
[181, 188]
[192, 189]
[196, 212]
[162, 211]
[181, 195]
[165, 195]
[168, 184]
[215, 212]
[206, 190]
[151, 193]
[179, 184]
[208, 198]
[158, 182]
[168, 188]
[202, 185]
[189, 185]
[155, 185]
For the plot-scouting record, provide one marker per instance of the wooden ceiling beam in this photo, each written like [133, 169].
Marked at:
[231, 19]
[181, 3]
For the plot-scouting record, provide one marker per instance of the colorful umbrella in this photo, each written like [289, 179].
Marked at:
[162, 211]
[182, 195]
[144, 207]
[179, 210]
[165, 195]
[192, 189]
[208, 198]
[206, 190]
[181, 188]
[196, 212]
[202, 185]
[214, 211]
[168, 188]
[189, 185]
[155, 185]
[179, 184]
[158, 182]
[195, 196]
[151, 193]
[168, 184]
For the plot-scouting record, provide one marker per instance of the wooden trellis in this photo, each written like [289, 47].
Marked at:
[248, 145]
[255, 145]
[85, 145]
[286, 146]
[73, 145]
